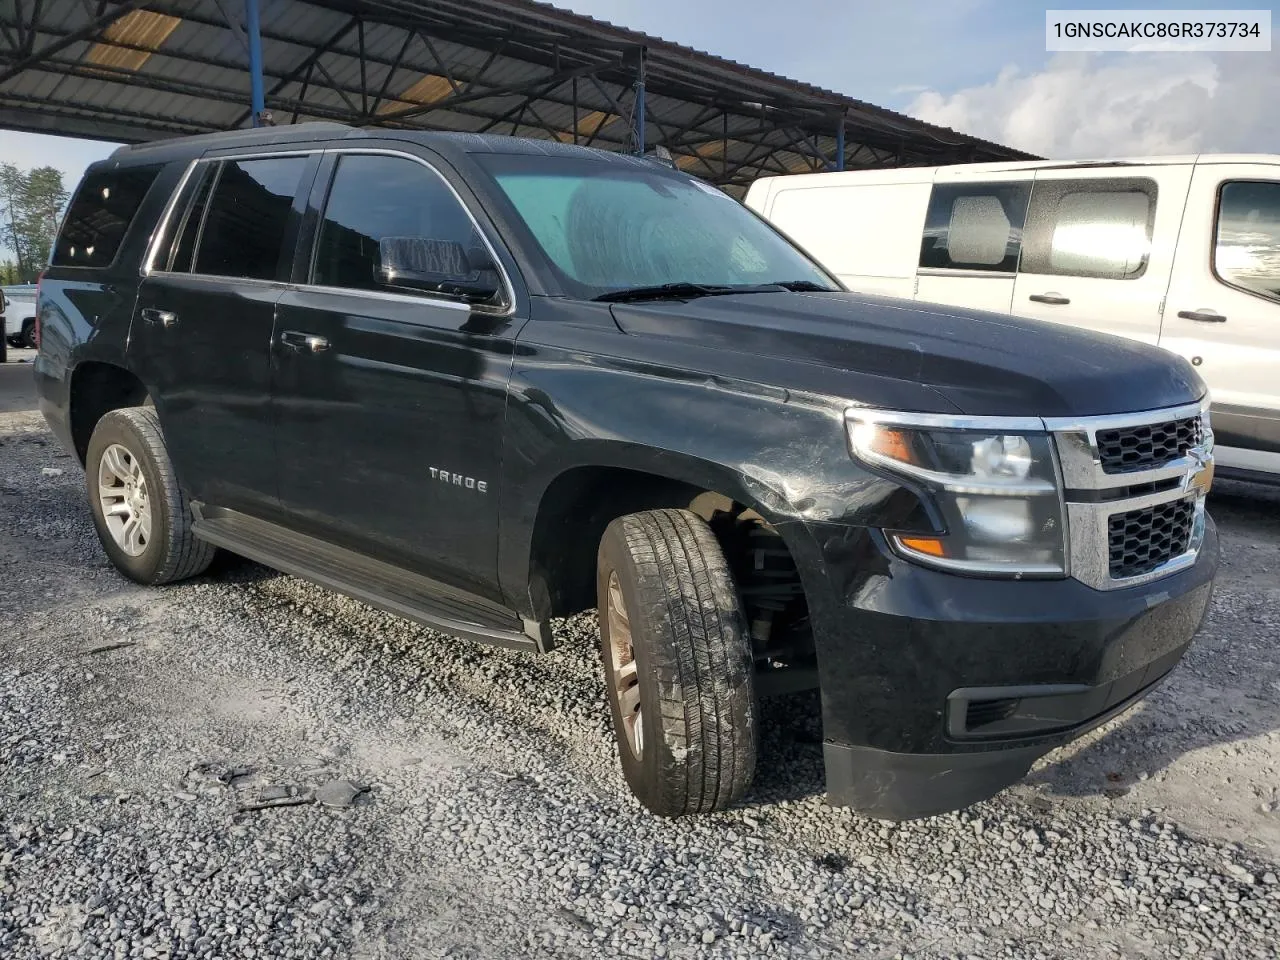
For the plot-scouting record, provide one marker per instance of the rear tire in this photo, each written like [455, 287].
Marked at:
[141, 514]
[677, 663]
[27, 338]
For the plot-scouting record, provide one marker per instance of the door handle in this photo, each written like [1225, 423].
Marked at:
[1204, 316]
[166, 318]
[299, 341]
[1055, 298]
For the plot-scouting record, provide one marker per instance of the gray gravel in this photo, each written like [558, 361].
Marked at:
[250, 766]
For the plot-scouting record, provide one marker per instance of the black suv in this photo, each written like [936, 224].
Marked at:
[483, 382]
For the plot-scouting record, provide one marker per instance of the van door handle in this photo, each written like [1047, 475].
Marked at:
[1055, 298]
[1204, 316]
[299, 341]
[166, 318]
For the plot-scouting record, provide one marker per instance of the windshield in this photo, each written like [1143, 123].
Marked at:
[606, 227]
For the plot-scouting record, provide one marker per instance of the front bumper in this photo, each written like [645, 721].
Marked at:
[939, 691]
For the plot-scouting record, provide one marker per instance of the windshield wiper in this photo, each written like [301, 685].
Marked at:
[689, 291]
[802, 286]
[667, 291]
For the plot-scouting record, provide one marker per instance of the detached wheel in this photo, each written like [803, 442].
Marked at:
[677, 663]
[142, 516]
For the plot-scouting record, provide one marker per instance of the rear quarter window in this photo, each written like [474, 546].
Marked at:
[100, 214]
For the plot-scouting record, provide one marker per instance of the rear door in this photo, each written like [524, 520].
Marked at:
[972, 238]
[1098, 248]
[390, 402]
[1223, 311]
[202, 332]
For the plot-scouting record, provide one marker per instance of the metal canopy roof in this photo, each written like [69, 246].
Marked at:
[134, 70]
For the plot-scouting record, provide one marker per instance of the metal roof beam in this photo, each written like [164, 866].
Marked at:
[549, 83]
[89, 31]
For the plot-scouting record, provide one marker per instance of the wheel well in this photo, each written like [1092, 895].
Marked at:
[96, 390]
[581, 503]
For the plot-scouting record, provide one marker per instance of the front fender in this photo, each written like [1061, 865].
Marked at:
[781, 452]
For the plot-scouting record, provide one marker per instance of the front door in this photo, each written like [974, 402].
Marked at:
[1098, 248]
[202, 331]
[389, 402]
[1223, 309]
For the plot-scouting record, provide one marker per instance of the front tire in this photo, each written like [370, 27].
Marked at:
[677, 663]
[27, 338]
[142, 517]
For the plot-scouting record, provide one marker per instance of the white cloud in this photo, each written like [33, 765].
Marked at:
[1090, 105]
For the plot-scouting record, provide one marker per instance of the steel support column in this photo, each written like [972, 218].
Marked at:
[253, 26]
[840, 144]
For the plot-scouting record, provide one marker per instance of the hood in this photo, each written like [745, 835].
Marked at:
[987, 364]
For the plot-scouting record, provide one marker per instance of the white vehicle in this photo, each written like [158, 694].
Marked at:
[1183, 252]
[20, 314]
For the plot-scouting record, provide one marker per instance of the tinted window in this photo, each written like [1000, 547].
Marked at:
[374, 197]
[975, 226]
[248, 212]
[609, 226]
[188, 225]
[101, 212]
[1247, 251]
[1090, 228]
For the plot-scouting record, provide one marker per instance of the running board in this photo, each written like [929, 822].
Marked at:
[375, 582]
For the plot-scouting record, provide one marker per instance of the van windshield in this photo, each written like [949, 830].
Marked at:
[608, 228]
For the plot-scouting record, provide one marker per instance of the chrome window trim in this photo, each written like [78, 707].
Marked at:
[162, 225]
[361, 293]
[149, 270]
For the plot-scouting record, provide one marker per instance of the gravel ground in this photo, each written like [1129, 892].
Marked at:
[250, 766]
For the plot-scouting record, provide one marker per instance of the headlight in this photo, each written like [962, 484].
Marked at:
[996, 487]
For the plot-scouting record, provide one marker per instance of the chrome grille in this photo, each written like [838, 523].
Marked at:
[1148, 445]
[1140, 541]
[1134, 488]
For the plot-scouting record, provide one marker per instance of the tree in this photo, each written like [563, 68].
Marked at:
[31, 204]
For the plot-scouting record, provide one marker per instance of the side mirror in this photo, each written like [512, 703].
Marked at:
[437, 266]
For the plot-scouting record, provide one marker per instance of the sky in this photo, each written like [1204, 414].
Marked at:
[977, 66]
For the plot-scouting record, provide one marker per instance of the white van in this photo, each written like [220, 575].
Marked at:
[1183, 252]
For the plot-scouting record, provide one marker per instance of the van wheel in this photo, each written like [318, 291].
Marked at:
[27, 338]
[677, 663]
[142, 516]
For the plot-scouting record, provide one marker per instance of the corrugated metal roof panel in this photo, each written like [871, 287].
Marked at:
[497, 65]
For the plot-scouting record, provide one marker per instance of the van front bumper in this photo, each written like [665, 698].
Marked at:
[938, 691]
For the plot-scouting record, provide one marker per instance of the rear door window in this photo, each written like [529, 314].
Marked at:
[248, 214]
[103, 208]
[1090, 228]
[1246, 252]
[975, 226]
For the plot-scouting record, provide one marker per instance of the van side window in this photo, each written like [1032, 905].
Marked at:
[1246, 252]
[374, 197]
[974, 226]
[1090, 228]
[101, 212]
[248, 213]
